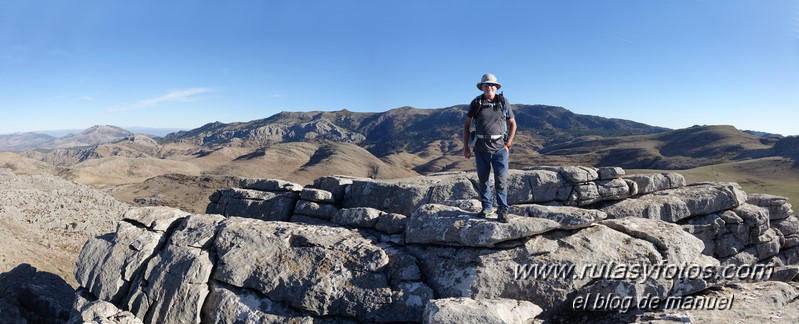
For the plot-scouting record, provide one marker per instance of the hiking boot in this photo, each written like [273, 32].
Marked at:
[502, 216]
[485, 213]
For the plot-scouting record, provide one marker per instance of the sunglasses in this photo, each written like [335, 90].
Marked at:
[489, 85]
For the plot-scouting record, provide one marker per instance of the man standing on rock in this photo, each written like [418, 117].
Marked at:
[495, 127]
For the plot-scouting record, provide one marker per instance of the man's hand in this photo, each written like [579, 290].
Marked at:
[467, 153]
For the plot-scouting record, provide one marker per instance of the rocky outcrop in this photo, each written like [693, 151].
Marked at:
[579, 241]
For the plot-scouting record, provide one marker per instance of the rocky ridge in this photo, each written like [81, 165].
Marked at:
[350, 249]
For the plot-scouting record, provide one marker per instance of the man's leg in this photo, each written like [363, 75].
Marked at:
[500, 164]
[483, 170]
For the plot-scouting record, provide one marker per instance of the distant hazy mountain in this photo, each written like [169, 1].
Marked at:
[762, 134]
[91, 136]
[75, 138]
[152, 131]
[23, 141]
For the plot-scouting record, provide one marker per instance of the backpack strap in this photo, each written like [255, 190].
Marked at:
[479, 105]
[505, 114]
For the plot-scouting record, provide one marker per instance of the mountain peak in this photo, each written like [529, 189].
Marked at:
[105, 128]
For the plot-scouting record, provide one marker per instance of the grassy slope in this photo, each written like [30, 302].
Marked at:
[773, 175]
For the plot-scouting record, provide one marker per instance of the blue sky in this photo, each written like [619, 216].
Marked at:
[670, 63]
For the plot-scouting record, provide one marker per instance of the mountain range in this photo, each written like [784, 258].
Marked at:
[401, 142]
[546, 134]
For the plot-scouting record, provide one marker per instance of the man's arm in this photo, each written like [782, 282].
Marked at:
[466, 152]
[511, 132]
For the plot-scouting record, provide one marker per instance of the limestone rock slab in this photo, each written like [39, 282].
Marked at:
[466, 310]
[326, 271]
[405, 195]
[675, 204]
[489, 274]
[567, 217]
[439, 224]
[676, 245]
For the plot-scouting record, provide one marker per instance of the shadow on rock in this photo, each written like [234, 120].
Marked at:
[28, 295]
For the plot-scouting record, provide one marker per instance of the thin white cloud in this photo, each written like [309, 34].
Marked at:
[182, 95]
[619, 38]
[87, 98]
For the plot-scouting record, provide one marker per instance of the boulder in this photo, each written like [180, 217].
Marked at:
[403, 197]
[336, 185]
[317, 195]
[607, 173]
[613, 189]
[573, 174]
[535, 186]
[315, 209]
[787, 226]
[652, 182]
[269, 185]
[778, 207]
[270, 206]
[101, 311]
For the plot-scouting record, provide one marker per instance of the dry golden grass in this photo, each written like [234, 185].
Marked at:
[23, 165]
